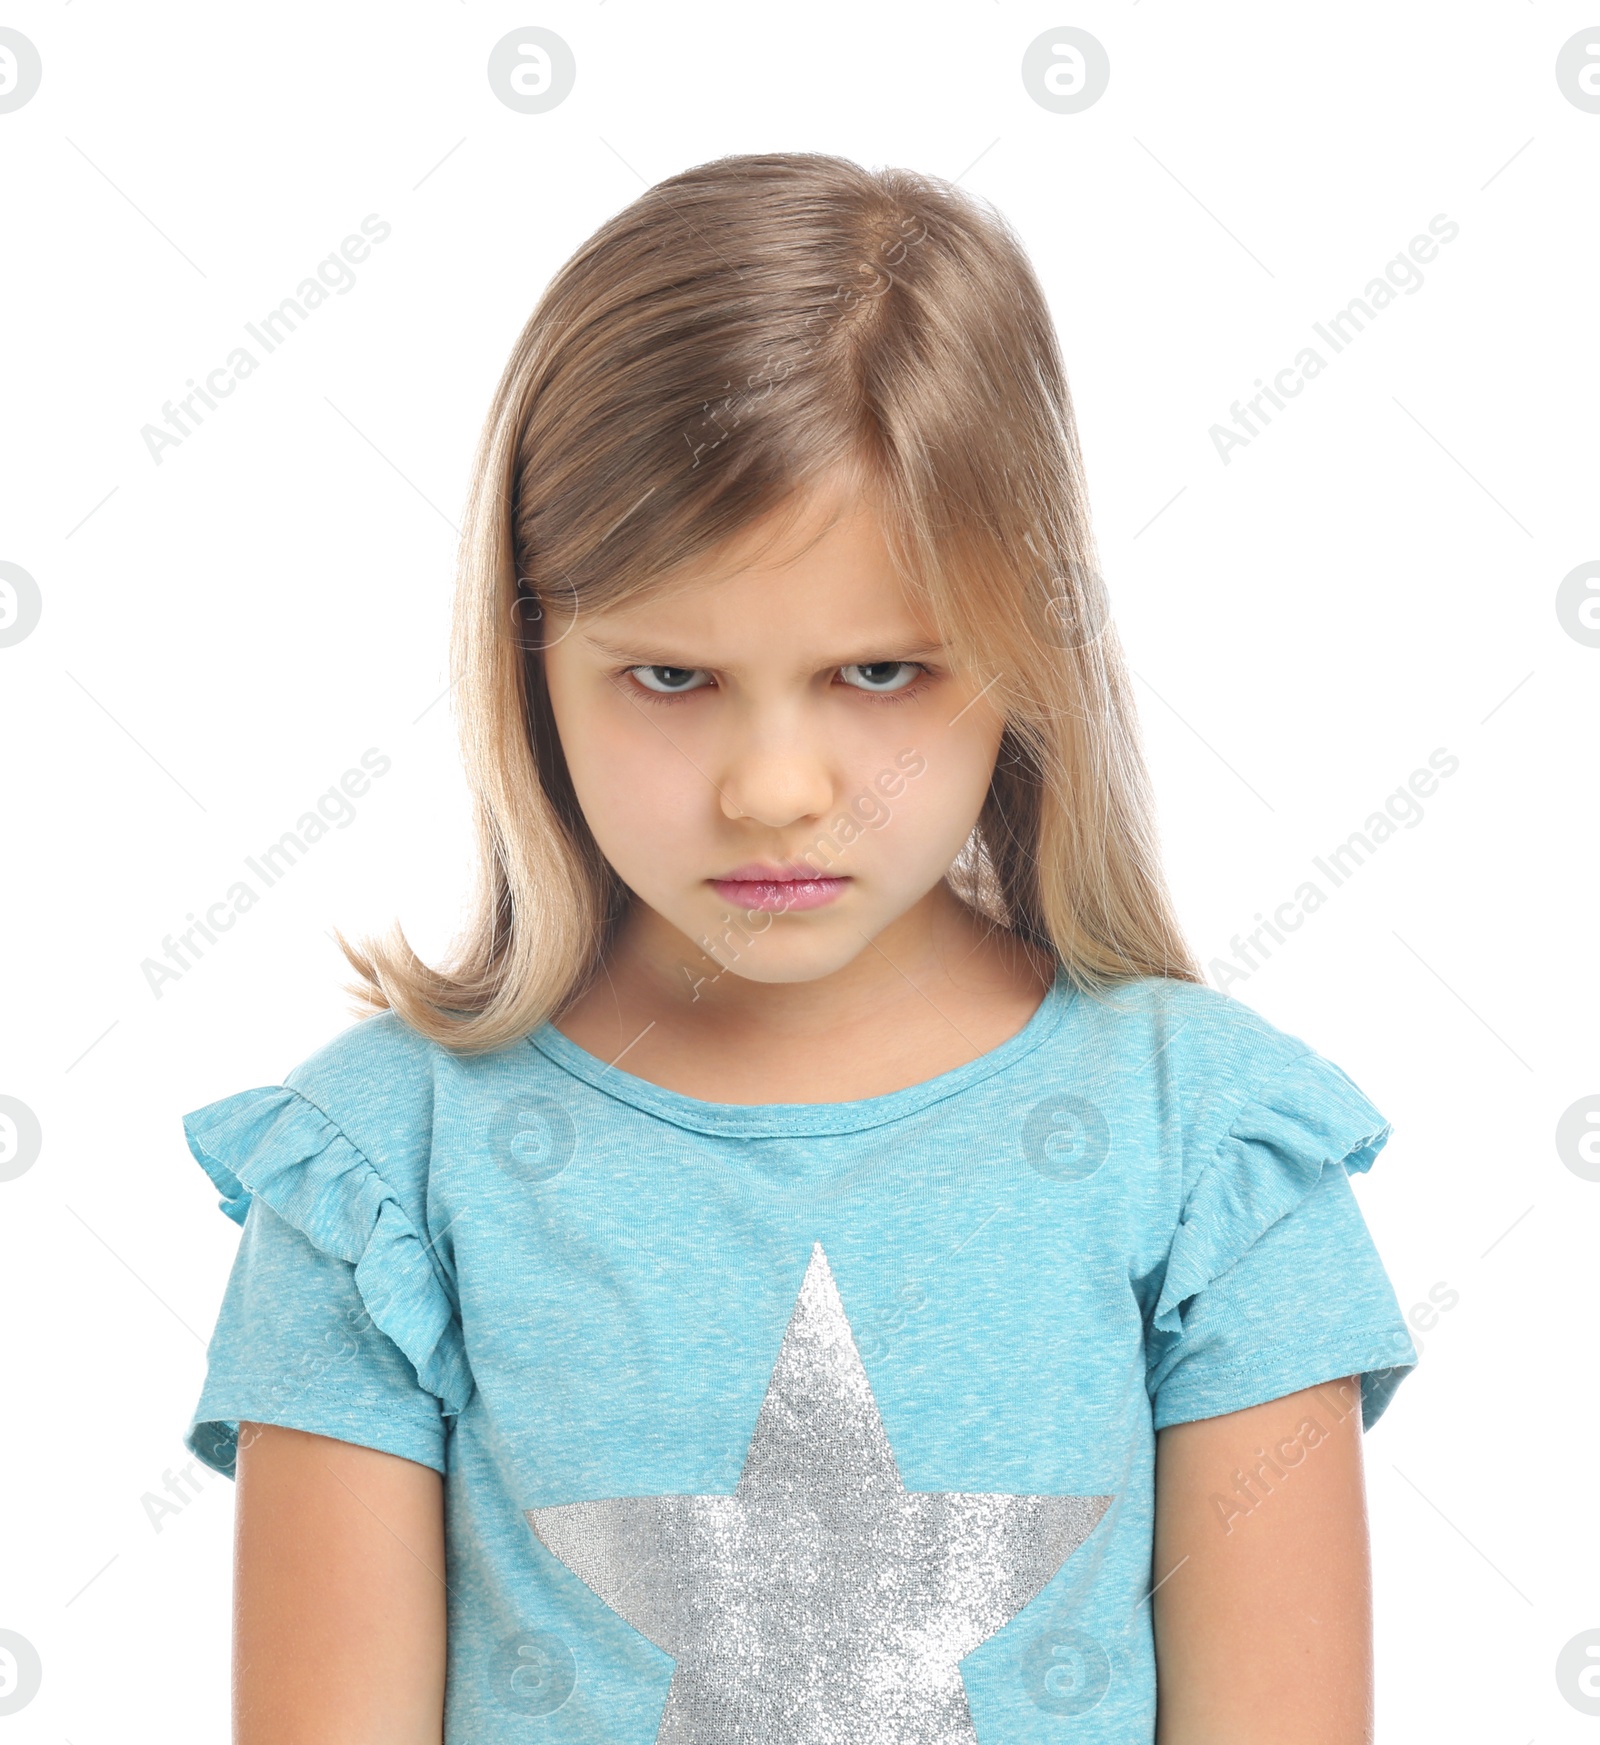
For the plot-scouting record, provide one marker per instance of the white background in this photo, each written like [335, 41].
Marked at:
[1374, 577]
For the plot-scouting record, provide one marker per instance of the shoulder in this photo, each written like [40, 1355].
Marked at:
[1210, 1035]
[353, 1118]
[340, 1152]
[374, 1071]
[1242, 1121]
[388, 1088]
[1211, 1069]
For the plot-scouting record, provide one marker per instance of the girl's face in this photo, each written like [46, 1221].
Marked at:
[775, 755]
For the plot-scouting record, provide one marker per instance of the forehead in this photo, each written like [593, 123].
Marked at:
[816, 584]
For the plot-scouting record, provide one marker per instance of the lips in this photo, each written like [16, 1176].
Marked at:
[760, 885]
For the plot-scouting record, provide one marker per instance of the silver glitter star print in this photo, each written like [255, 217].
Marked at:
[821, 1603]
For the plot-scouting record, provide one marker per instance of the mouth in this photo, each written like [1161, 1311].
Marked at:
[760, 886]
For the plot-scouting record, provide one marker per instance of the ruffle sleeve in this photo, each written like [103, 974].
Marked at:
[1272, 1276]
[1272, 1156]
[275, 1144]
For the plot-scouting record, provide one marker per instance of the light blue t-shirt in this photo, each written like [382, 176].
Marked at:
[799, 1423]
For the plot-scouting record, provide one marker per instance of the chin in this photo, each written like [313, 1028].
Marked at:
[794, 967]
[804, 954]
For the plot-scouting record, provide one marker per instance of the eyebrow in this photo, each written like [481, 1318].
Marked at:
[634, 655]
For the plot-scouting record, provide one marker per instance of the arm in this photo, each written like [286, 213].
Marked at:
[339, 1596]
[1263, 1620]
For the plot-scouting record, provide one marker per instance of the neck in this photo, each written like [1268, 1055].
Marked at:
[937, 987]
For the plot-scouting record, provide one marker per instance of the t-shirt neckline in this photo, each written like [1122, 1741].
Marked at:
[804, 1120]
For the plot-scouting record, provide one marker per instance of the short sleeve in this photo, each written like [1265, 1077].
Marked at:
[335, 1318]
[1273, 1283]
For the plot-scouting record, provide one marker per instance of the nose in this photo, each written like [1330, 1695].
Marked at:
[776, 784]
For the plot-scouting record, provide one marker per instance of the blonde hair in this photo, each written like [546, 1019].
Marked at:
[715, 348]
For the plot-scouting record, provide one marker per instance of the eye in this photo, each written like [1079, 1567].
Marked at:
[881, 675]
[667, 680]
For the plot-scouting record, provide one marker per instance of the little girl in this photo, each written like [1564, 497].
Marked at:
[818, 1263]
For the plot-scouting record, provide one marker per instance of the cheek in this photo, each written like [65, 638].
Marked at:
[943, 778]
[642, 798]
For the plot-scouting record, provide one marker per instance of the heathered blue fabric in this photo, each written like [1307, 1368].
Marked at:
[553, 1281]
